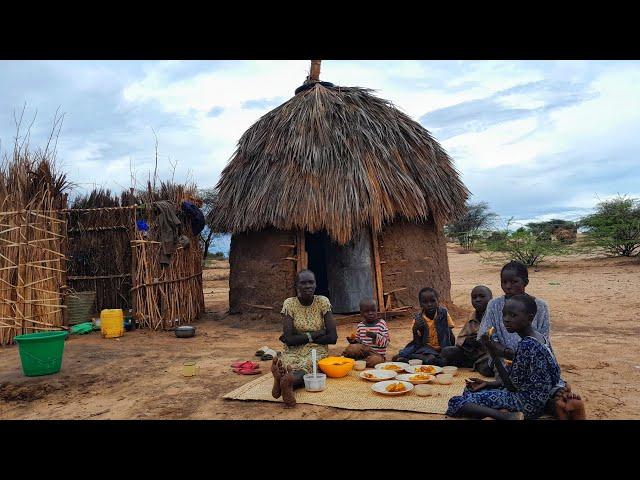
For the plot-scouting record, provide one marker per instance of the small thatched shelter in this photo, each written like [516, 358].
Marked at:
[341, 182]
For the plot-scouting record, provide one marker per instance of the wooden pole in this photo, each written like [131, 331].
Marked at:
[378, 272]
[314, 74]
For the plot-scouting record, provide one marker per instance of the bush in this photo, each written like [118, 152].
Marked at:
[615, 226]
[564, 231]
[524, 246]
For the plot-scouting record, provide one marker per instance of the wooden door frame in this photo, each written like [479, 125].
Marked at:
[377, 271]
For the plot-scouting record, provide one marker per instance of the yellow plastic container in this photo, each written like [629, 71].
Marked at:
[111, 323]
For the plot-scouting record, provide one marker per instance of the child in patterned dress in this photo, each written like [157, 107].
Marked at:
[526, 387]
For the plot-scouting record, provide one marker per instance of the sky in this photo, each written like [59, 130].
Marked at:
[535, 139]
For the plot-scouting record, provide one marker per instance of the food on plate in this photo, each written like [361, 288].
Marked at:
[368, 375]
[395, 387]
[395, 368]
[420, 377]
[425, 369]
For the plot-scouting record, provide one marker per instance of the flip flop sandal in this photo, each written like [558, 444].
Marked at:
[242, 371]
[247, 365]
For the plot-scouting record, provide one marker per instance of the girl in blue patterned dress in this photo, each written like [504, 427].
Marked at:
[523, 392]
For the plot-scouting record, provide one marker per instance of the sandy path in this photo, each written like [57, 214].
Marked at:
[594, 333]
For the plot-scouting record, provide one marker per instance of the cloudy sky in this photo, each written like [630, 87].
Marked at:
[535, 139]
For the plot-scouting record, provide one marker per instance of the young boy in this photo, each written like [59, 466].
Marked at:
[372, 336]
[468, 352]
[432, 331]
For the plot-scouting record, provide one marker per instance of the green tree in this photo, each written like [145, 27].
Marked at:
[467, 229]
[208, 235]
[615, 226]
[524, 245]
[564, 230]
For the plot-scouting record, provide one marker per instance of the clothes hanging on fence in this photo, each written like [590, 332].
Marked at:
[168, 226]
[195, 216]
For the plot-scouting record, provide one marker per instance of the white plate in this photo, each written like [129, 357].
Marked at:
[380, 387]
[412, 369]
[407, 378]
[380, 375]
[402, 365]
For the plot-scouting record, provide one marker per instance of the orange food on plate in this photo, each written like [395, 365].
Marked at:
[426, 369]
[368, 375]
[392, 367]
[420, 377]
[396, 387]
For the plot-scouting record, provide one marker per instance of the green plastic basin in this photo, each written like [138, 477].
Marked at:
[41, 353]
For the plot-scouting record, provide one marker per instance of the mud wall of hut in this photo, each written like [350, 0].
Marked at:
[262, 271]
[413, 256]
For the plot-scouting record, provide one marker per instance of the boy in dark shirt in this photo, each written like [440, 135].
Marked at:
[468, 352]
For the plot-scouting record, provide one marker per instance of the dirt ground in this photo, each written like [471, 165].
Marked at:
[594, 306]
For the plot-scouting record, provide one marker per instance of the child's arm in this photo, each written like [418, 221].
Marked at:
[488, 320]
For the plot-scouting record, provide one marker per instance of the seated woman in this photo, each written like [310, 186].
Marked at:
[522, 391]
[307, 324]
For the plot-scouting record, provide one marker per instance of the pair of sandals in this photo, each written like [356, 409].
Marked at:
[246, 368]
[266, 353]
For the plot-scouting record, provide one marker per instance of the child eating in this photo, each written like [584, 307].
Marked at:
[371, 338]
[432, 331]
[524, 389]
[468, 352]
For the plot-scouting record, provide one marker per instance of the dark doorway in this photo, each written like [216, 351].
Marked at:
[316, 246]
[343, 272]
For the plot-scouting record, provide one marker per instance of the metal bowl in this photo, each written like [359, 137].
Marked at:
[185, 331]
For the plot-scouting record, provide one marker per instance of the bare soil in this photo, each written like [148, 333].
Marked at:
[594, 306]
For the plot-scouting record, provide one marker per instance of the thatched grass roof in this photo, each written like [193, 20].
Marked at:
[336, 159]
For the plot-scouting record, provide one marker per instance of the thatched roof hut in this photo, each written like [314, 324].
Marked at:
[321, 169]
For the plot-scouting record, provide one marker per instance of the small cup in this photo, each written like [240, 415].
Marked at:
[425, 390]
[189, 369]
[415, 362]
[444, 379]
[360, 365]
[450, 369]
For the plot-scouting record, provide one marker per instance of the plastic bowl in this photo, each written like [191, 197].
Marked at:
[451, 370]
[336, 367]
[315, 383]
[415, 361]
[444, 379]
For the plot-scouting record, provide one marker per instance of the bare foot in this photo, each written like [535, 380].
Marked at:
[286, 387]
[275, 370]
[575, 407]
[514, 416]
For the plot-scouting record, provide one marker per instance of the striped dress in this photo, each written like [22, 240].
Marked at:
[379, 345]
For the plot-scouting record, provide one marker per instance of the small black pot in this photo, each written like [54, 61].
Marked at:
[185, 331]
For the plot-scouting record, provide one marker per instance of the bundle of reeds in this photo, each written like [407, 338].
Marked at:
[100, 229]
[164, 298]
[32, 243]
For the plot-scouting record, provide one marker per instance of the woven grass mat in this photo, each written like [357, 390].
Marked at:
[353, 393]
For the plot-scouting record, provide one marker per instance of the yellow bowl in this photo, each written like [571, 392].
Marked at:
[336, 367]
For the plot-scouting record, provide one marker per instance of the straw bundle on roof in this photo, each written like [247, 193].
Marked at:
[32, 243]
[336, 158]
[166, 298]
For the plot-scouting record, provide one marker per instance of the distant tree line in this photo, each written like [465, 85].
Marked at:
[614, 227]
